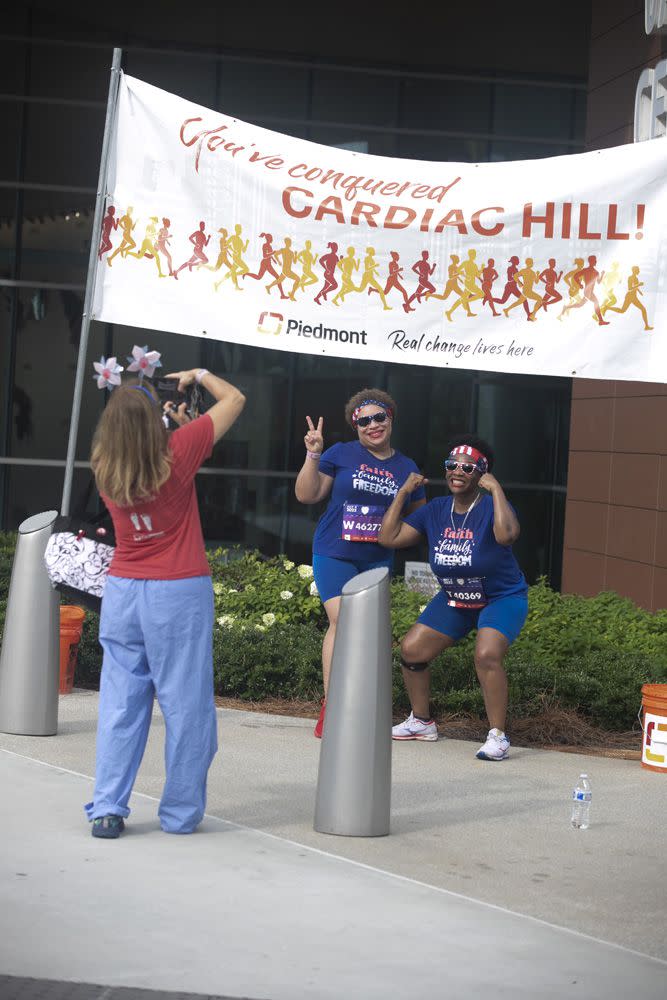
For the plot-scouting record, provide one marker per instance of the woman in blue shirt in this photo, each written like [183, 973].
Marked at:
[470, 536]
[362, 478]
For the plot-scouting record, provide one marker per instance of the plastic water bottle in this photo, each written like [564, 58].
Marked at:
[581, 803]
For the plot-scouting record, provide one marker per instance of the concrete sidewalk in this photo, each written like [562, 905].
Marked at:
[233, 911]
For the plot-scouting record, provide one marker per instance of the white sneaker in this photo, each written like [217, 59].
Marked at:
[496, 747]
[415, 729]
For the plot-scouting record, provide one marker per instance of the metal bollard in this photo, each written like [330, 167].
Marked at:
[30, 657]
[354, 778]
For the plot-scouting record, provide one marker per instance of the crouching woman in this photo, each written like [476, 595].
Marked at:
[470, 535]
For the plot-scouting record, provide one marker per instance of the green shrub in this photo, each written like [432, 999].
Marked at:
[587, 654]
[282, 662]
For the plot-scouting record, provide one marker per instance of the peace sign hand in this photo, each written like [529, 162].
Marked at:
[314, 440]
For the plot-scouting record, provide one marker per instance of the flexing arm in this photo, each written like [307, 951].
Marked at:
[312, 485]
[506, 527]
[229, 401]
[395, 533]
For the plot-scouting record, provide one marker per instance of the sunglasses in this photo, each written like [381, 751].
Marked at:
[378, 418]
[467, 467]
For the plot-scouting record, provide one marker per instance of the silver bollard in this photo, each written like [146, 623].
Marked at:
[354, 778]
[30, 657]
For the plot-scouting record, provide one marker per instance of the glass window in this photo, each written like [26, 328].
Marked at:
[579, 114]
[539, 550]
[356, 138]
[61, 22]
[63, 145]
[532, 111]
[432, 405]
[48, 330]
[354, 97]
[442, 149]
[322, 387]
[70, 71]
[501, 150]
[33, 489]
[7, 231]
[261, 90]
[12, 66]
[10, 123]
[522, 423]
[250, 511]
[450, 105]
[56, 236]
[190, 77]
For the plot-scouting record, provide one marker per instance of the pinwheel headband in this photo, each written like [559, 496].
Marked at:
[368, 402]
[143, 361]
[142, 388]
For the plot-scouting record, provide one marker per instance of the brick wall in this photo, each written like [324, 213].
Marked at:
[616, 513]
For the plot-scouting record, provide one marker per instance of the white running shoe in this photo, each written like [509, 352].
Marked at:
[415, 729]
[496, 747]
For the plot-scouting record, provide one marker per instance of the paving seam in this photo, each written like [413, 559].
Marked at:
[366, 867]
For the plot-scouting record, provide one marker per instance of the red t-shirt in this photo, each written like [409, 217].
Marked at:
[161, 539]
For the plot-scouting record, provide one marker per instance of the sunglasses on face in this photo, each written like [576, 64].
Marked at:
[378, 418]
[467, 467]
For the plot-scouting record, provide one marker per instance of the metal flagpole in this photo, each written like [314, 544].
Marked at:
[90, 279]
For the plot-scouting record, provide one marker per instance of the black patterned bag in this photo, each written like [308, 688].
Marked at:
[78, 555]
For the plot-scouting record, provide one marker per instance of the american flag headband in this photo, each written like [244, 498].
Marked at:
[368, 402]
[479, 461]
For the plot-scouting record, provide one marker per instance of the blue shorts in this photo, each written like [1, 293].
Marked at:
[331, 574]
[505, 614]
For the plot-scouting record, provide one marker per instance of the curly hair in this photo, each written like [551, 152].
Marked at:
[474, 442]
[371, 394]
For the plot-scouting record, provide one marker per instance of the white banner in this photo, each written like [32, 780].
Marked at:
[217, 228]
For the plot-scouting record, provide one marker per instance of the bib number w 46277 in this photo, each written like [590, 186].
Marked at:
[464, 592]
[361, 523]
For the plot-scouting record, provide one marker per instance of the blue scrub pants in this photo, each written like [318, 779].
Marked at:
[157, 637]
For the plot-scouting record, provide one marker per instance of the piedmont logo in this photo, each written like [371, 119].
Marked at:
[271, 323]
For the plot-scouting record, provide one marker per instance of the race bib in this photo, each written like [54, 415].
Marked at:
[464, 592]
[361, 523]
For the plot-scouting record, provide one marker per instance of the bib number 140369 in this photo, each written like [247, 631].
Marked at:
[464, 592]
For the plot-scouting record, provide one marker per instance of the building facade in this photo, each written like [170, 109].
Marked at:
[438, 91]
[616, 522]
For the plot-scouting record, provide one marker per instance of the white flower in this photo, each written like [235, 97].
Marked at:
[288, 564]
[251, 588]
[305, 572]
[422, 607]
[260, 628]
[218, 589]
[144, 361]
[108, 372]
[226, 621]
[314, 592]
[286, 594]
[269, 618]
[232, 590]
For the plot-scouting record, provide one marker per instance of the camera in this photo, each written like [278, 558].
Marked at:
[167, 392]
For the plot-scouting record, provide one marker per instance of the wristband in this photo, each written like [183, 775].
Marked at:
[315, 455]
[200, 374]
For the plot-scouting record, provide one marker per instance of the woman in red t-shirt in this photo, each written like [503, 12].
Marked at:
[156, 624]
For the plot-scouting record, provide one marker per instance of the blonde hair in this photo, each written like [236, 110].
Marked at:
[130, 455]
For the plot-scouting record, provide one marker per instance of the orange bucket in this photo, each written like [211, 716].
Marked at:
[654, 725]
[71, 626]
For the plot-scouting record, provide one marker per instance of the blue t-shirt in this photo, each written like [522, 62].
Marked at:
[459, 552]
[363, 489]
